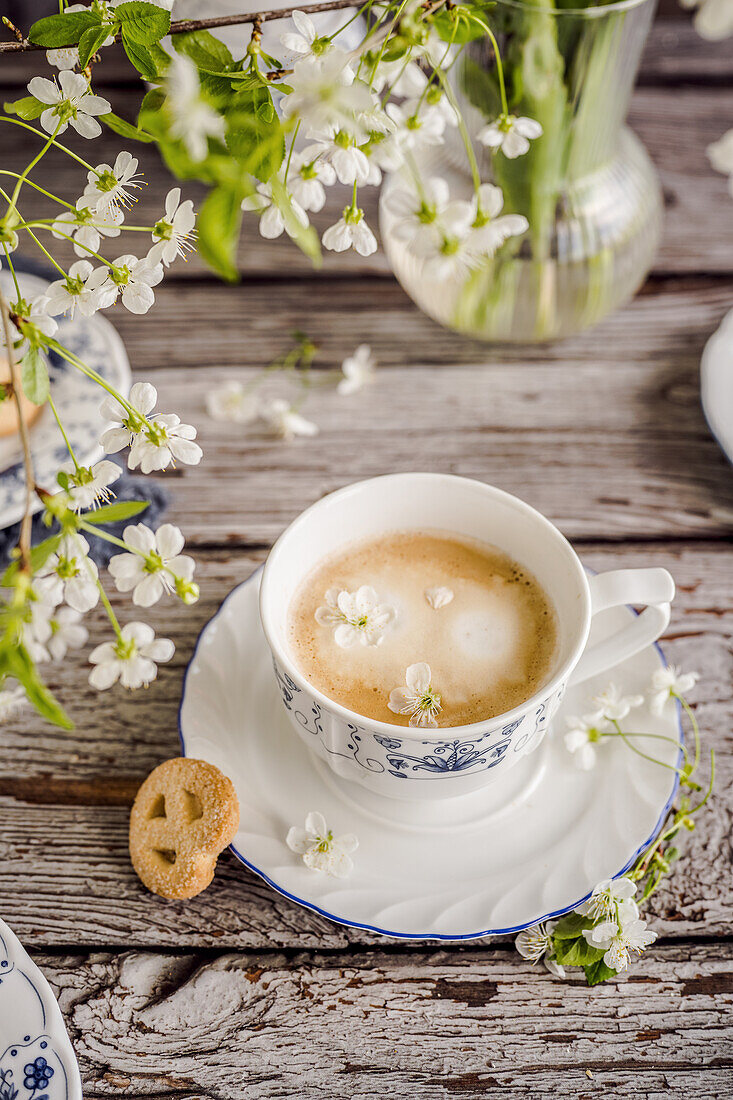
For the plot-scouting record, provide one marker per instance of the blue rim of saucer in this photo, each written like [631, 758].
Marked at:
[435, 936]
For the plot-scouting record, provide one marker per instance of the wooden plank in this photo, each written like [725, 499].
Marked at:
[698, 232]
[473, 1023]
[629, 456]
[65, 877]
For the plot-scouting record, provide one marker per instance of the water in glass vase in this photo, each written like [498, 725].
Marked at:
[586, 186]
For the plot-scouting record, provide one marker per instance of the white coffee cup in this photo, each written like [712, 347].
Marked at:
[421, 764]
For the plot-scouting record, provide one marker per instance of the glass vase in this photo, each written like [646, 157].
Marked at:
[587, 187]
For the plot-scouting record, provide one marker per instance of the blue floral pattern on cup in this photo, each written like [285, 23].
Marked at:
[407, 758]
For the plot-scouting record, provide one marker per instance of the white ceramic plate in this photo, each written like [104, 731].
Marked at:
[488, 863]
[77, 399]
[36, 1058]
[716, 384]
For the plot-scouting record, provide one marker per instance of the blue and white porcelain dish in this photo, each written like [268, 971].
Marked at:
[486, 863]
[77, 399]
[716, 384]
[37, 1061]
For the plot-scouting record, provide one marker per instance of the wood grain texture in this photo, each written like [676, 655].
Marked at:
[471, 1023]
[698, 230]
[630, 454]
[65, 876]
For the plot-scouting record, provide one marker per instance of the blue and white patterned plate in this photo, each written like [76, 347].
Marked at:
[36, 1058]
[77, 399]
[530, 846]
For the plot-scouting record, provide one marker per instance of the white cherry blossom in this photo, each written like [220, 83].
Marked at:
[667, 683]
[284, 420]
[489, 230]
[351, 231]
[425, 215]
[583, 735]
[358, 370]
[153, 566]
[70, 104]
[306, 41]
[69, 574]
[416, 128]
[339, 149]
[274, 219]
[133, 280]
[535, 943]
[37, 628]
[308, 177]
[325, 93]
[67, 57]
[89, 486]
[67, 632]
[320, 849]
[713, 19]
[125, 425]
[232, 402]
[607, 897]
[615, 706]
[11, 701]
[510, 135]
[357, 618]
[439, 596]
[618, 941]
[163, 442]
[132, 659]
[418, 698]
[86, 227]
[720, 153]
[192, 120]
[110, 187]
[32, 316]
[174, 234]
[83, 289]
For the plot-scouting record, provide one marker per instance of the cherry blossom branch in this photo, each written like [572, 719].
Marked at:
[184, 26]
[30, 484]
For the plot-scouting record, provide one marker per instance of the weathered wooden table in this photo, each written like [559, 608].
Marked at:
[239, 993]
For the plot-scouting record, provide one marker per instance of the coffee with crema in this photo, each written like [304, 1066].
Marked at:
[423, 628]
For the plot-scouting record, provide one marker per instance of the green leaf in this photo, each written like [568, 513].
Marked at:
[115, 513]
[576, 951]
[90, 42]
[571, 926]
[28, 107]
[218, 225]
[34, 376]
[598, 972]
[39, 555]
[142, 22]
[62, 30]
[125, 129]
[207, 51]
[149, 60]
[17, 662]
[257, 145]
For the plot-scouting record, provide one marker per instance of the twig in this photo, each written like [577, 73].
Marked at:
[24, 542]
[183, 26]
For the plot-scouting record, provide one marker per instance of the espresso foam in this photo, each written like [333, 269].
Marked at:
[489, 649]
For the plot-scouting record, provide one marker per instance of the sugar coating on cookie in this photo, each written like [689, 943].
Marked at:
[185, 813]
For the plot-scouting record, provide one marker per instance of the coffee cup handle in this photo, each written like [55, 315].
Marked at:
[651, 587]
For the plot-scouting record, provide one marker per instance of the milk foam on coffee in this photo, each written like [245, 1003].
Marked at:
[480, 621]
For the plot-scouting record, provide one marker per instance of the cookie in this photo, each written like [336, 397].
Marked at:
[184, 815]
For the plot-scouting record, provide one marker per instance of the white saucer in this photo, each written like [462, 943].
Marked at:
[77, 399]
[36, 1057]
[492, 862]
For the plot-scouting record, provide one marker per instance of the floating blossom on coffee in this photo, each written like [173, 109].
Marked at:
[358, 617]
[438, 596]
[418, 698]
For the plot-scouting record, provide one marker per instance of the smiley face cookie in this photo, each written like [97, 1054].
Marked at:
[185, 814]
